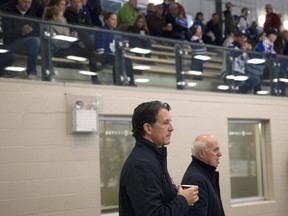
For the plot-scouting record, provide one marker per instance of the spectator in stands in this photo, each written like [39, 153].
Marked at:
[197, 49]
[181, 21]
[85, 10]
[150, 9]
[236, 65]
[157, 24]
[53, 47]
[229, 22]
[214, 30]
[198, 21]
[74, 14]
[95, 9]
[105, 46]
[85, 45]
[22, 36]
[272, 19]
[285, 41]
[236, 22]
[178, 32]
[243, 22]
[252, 33]
[59, 3]
[127, 14]
[140, 27]
[267, 70]
[166, 5]
[280, 46]
[38, 7]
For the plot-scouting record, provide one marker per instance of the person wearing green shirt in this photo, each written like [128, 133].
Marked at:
[127, 14]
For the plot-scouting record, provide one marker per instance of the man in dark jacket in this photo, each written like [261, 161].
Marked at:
[201, 171]
[75, 15]
[21, 36]
[229, 21]
[146, 187]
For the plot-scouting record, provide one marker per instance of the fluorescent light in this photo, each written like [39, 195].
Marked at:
[236, 78]
[223, 87]
[76, 58]
[142, 80]
[13, 68]
[192, 84]
[65, 38]
[141, 67]
[230, 77]
[181, 83]
[241, 78]
[275, 80]
[202, 57]
[89, 73]
[283, 80]
[262, 92]
[3, 50]
[256, 61]
[140, 50]
[197, 73]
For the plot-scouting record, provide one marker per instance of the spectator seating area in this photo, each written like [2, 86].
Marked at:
[160, 70]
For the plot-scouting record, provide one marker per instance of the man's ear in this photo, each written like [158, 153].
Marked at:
[147, 128]
[201, 153]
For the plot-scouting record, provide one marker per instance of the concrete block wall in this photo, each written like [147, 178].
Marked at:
[45, 170]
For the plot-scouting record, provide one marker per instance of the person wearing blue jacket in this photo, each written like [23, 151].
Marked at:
[236, 62]
[265, 47]
[105, 46]
[146, 187]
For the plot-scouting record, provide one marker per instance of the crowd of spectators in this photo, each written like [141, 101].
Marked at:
[162, 20]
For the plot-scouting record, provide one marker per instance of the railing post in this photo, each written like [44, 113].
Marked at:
[119, 62]
[46, 52]
[180, 79]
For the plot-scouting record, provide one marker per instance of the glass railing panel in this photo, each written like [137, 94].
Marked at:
[70, 53]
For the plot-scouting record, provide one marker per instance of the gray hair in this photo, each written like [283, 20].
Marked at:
[197, 146]
[173, 5]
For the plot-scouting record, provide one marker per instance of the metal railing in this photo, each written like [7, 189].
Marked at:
[163, 63]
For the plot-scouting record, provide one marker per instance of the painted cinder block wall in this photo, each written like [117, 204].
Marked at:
[46, 170]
